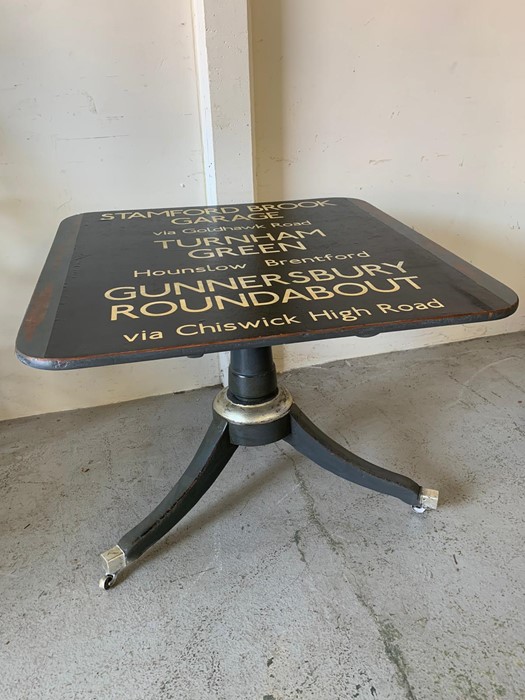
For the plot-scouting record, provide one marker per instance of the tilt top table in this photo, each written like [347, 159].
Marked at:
[127, 286]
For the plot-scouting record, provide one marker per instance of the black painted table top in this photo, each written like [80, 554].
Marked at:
[140, 285]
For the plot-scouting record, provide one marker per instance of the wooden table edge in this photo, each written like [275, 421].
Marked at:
[363, 331]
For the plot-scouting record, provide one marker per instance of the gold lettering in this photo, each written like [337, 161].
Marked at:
[128, 293]
[170, 307]
[256, 301]
[122, 310]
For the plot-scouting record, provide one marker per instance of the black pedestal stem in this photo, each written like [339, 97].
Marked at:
[252, 377]
[255, 411]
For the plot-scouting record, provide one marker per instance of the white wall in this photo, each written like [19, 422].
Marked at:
[416, 107]
[98, 110]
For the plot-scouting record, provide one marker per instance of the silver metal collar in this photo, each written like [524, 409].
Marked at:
[256, 414]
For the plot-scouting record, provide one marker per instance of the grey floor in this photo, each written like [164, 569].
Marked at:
[284, 582]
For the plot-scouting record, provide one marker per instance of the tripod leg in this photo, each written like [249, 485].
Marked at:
[314, 444]
[210, 459]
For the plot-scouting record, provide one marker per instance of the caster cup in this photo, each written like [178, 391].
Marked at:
[428, 500]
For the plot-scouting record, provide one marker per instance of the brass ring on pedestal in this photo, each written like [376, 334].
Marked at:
[254, 414]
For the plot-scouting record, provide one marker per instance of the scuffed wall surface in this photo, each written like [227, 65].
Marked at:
[417, 108]
[98, 110]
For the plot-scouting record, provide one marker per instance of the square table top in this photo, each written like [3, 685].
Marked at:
[137, 285]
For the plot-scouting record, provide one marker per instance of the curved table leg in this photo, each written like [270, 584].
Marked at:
[321, 449]
[210, 459]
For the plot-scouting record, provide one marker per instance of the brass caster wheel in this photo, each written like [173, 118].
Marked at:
[107, 582]
[419, 509]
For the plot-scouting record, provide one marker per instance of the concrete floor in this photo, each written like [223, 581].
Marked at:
[284, 582]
